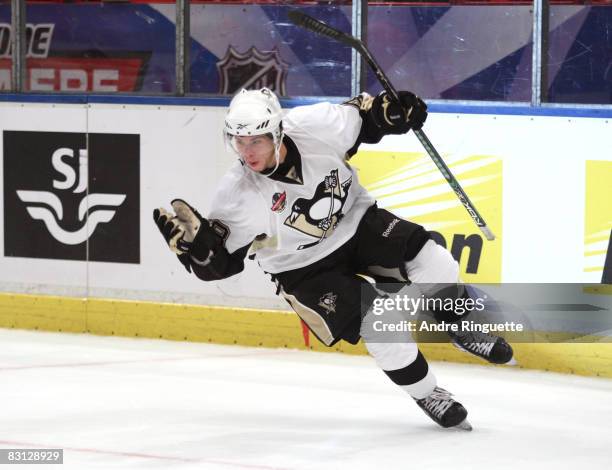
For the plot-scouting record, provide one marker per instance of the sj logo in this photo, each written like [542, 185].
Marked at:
[72, 196]
[46, 206]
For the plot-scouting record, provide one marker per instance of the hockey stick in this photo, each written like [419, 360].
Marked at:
[307, 22]
[332, 188]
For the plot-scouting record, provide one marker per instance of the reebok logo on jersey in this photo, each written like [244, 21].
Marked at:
[72, 196]
[387, 231]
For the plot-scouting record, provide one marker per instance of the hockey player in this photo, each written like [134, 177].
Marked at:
[293, 201]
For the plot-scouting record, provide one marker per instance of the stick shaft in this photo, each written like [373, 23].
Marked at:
[319, 27]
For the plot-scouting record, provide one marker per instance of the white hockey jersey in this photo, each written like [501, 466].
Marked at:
[311, 212]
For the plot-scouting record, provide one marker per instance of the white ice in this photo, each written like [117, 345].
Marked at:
[145, 404]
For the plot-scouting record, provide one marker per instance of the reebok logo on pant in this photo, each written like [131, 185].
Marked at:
[389, 228]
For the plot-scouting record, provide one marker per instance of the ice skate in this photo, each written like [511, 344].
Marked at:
[494, 349]
[444, 410]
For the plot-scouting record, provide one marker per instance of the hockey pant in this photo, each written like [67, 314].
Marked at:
[330, 296]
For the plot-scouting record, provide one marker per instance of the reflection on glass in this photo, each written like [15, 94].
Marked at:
[459, 51]
[100, 47]
[579, 61]
[253, 45]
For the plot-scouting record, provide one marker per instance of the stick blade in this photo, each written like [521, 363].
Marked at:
[487, 232]
[296, 17]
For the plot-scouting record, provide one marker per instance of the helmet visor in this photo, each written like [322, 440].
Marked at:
[245, 145]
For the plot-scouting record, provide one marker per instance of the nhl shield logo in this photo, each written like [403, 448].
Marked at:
[252, 70]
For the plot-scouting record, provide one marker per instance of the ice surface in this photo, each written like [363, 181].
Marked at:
[115, 403]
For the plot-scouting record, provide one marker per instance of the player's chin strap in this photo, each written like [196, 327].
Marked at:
[278, 140]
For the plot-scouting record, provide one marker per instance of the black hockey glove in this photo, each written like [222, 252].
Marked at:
[393, 118]
[172, 232]
[199, 239]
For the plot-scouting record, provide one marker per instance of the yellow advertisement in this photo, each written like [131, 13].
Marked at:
[412, 187]
[598, 220]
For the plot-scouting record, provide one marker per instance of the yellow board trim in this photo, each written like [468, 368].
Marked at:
[598, 289]
[249, 327]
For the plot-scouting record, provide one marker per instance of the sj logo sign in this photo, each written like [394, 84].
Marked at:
[71, 196]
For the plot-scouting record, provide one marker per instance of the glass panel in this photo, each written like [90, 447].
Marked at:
[101, 47]
[463, 51]
[6, 61]
[253, 44]
[580, 54]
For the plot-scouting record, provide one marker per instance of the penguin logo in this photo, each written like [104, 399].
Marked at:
[319, 215]
[328, 302]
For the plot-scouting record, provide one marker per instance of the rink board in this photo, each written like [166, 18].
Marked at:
[540, 181]
[247, 327]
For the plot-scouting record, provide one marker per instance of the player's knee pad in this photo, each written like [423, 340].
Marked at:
[393, 356]
[433, 264]
[436, 273]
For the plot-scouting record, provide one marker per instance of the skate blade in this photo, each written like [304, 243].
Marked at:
[464, 425]
[511, 362]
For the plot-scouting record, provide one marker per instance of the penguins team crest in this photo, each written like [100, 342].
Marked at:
[320, 215]
[328, 302]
